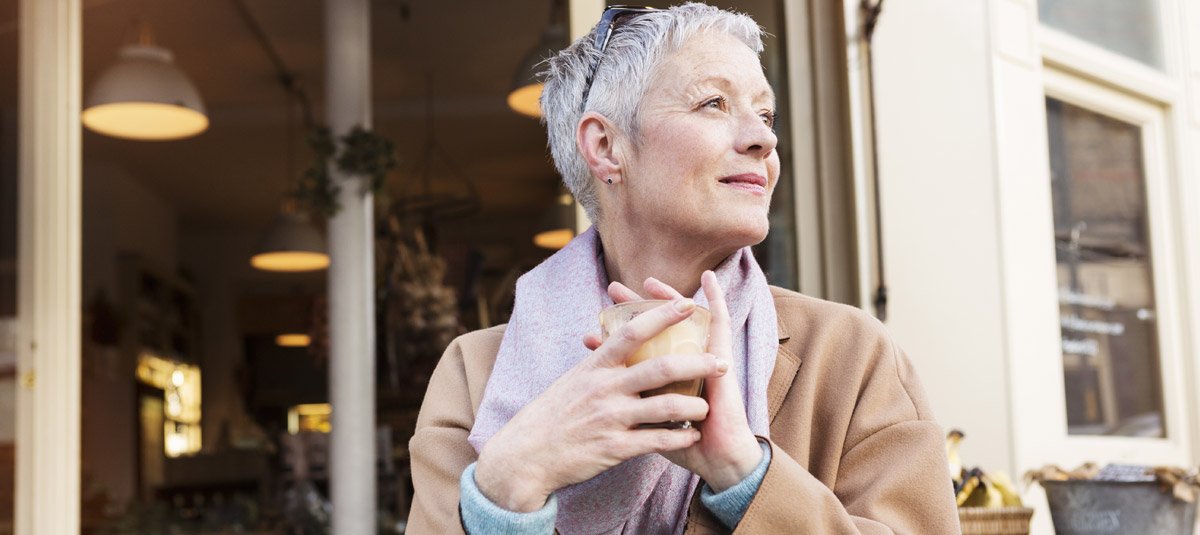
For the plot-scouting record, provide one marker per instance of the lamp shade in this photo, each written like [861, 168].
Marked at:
[557, 226]
[291, 244]
[527, 85]
[553, 238]
[144, 96]
[524, 99]
[293, 340]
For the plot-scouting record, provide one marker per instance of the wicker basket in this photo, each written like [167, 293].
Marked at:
[995, 520]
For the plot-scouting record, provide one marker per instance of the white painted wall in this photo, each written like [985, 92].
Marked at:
[938, 194]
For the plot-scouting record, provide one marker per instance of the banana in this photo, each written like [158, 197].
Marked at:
[972, 493]
[992, 495]
[974, 487]
[1008, 491]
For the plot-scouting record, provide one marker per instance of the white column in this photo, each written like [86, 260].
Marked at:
[351, 278]
[48, 276]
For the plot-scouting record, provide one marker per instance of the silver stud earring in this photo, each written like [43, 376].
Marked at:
[610, 181]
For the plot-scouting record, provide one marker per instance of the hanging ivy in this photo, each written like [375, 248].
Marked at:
[363, 153]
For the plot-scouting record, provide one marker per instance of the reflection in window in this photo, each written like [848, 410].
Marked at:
[1128, 27]
[776, 254]
[1106, 289]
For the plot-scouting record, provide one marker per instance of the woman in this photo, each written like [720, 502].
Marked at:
[660, 123]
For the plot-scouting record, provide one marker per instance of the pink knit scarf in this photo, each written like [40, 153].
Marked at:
[557, 303]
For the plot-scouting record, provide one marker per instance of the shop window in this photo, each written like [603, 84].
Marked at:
[1130, 28]
[1110, 345]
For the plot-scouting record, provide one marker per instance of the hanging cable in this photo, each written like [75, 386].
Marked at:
[285, 76]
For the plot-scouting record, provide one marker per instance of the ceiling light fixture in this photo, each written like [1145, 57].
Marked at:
[558, 224]
[291, 244]
[293, 340]
[144, 96]
[527, 85]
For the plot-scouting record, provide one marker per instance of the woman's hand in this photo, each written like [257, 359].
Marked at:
[586, 422]
[727, 451]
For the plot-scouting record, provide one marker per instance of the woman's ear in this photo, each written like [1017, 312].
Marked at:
[597, 142]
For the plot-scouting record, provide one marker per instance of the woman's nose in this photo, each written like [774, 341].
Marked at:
[756, 138]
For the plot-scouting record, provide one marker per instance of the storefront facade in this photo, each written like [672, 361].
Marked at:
[1039, 178]
[1035, 178]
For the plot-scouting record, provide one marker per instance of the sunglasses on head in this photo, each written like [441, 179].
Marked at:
[609, 22]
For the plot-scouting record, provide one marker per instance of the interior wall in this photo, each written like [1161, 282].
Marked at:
[938, 194]
[119, 215]
[8, 211]
[8, 409]
[8, 279]
[8, 273]
[219, 259]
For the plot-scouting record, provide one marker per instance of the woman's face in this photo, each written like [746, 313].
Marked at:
[704, 164]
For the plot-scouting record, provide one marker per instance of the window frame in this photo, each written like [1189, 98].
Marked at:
[1069, 52]
[1153, 120]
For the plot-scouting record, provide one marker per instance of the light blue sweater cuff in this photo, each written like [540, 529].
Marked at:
[480, 515]
[730, 504]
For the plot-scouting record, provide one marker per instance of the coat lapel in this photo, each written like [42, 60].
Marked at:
[787, 364]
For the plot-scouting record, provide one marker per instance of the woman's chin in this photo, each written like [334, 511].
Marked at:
[744, 232]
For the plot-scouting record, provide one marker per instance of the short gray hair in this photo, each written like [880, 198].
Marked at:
[621, 79]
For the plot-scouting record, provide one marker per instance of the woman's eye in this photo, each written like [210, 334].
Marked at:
[768, 118]
[715, 103]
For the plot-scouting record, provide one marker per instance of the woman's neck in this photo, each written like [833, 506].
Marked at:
[630, 258]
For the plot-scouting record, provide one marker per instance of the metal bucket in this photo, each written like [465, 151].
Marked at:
[1085, 507]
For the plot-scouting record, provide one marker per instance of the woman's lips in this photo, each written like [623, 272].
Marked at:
[749, 182]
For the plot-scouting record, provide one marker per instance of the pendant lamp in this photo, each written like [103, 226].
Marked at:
[293, 340]
[527, 85]
[144, 96]
[557, 226]
[291, 244]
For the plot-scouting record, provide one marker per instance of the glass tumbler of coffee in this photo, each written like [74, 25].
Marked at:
[689, 336]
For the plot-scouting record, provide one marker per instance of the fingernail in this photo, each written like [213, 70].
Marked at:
[722, 365]
[684, 305]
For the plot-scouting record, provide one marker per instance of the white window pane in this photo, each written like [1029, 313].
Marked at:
[1128, 27]
[1106, 290]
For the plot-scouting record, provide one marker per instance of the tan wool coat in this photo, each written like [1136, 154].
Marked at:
[854, 446]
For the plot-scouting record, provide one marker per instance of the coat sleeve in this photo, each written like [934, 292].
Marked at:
[439, 450]
[892, 475]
